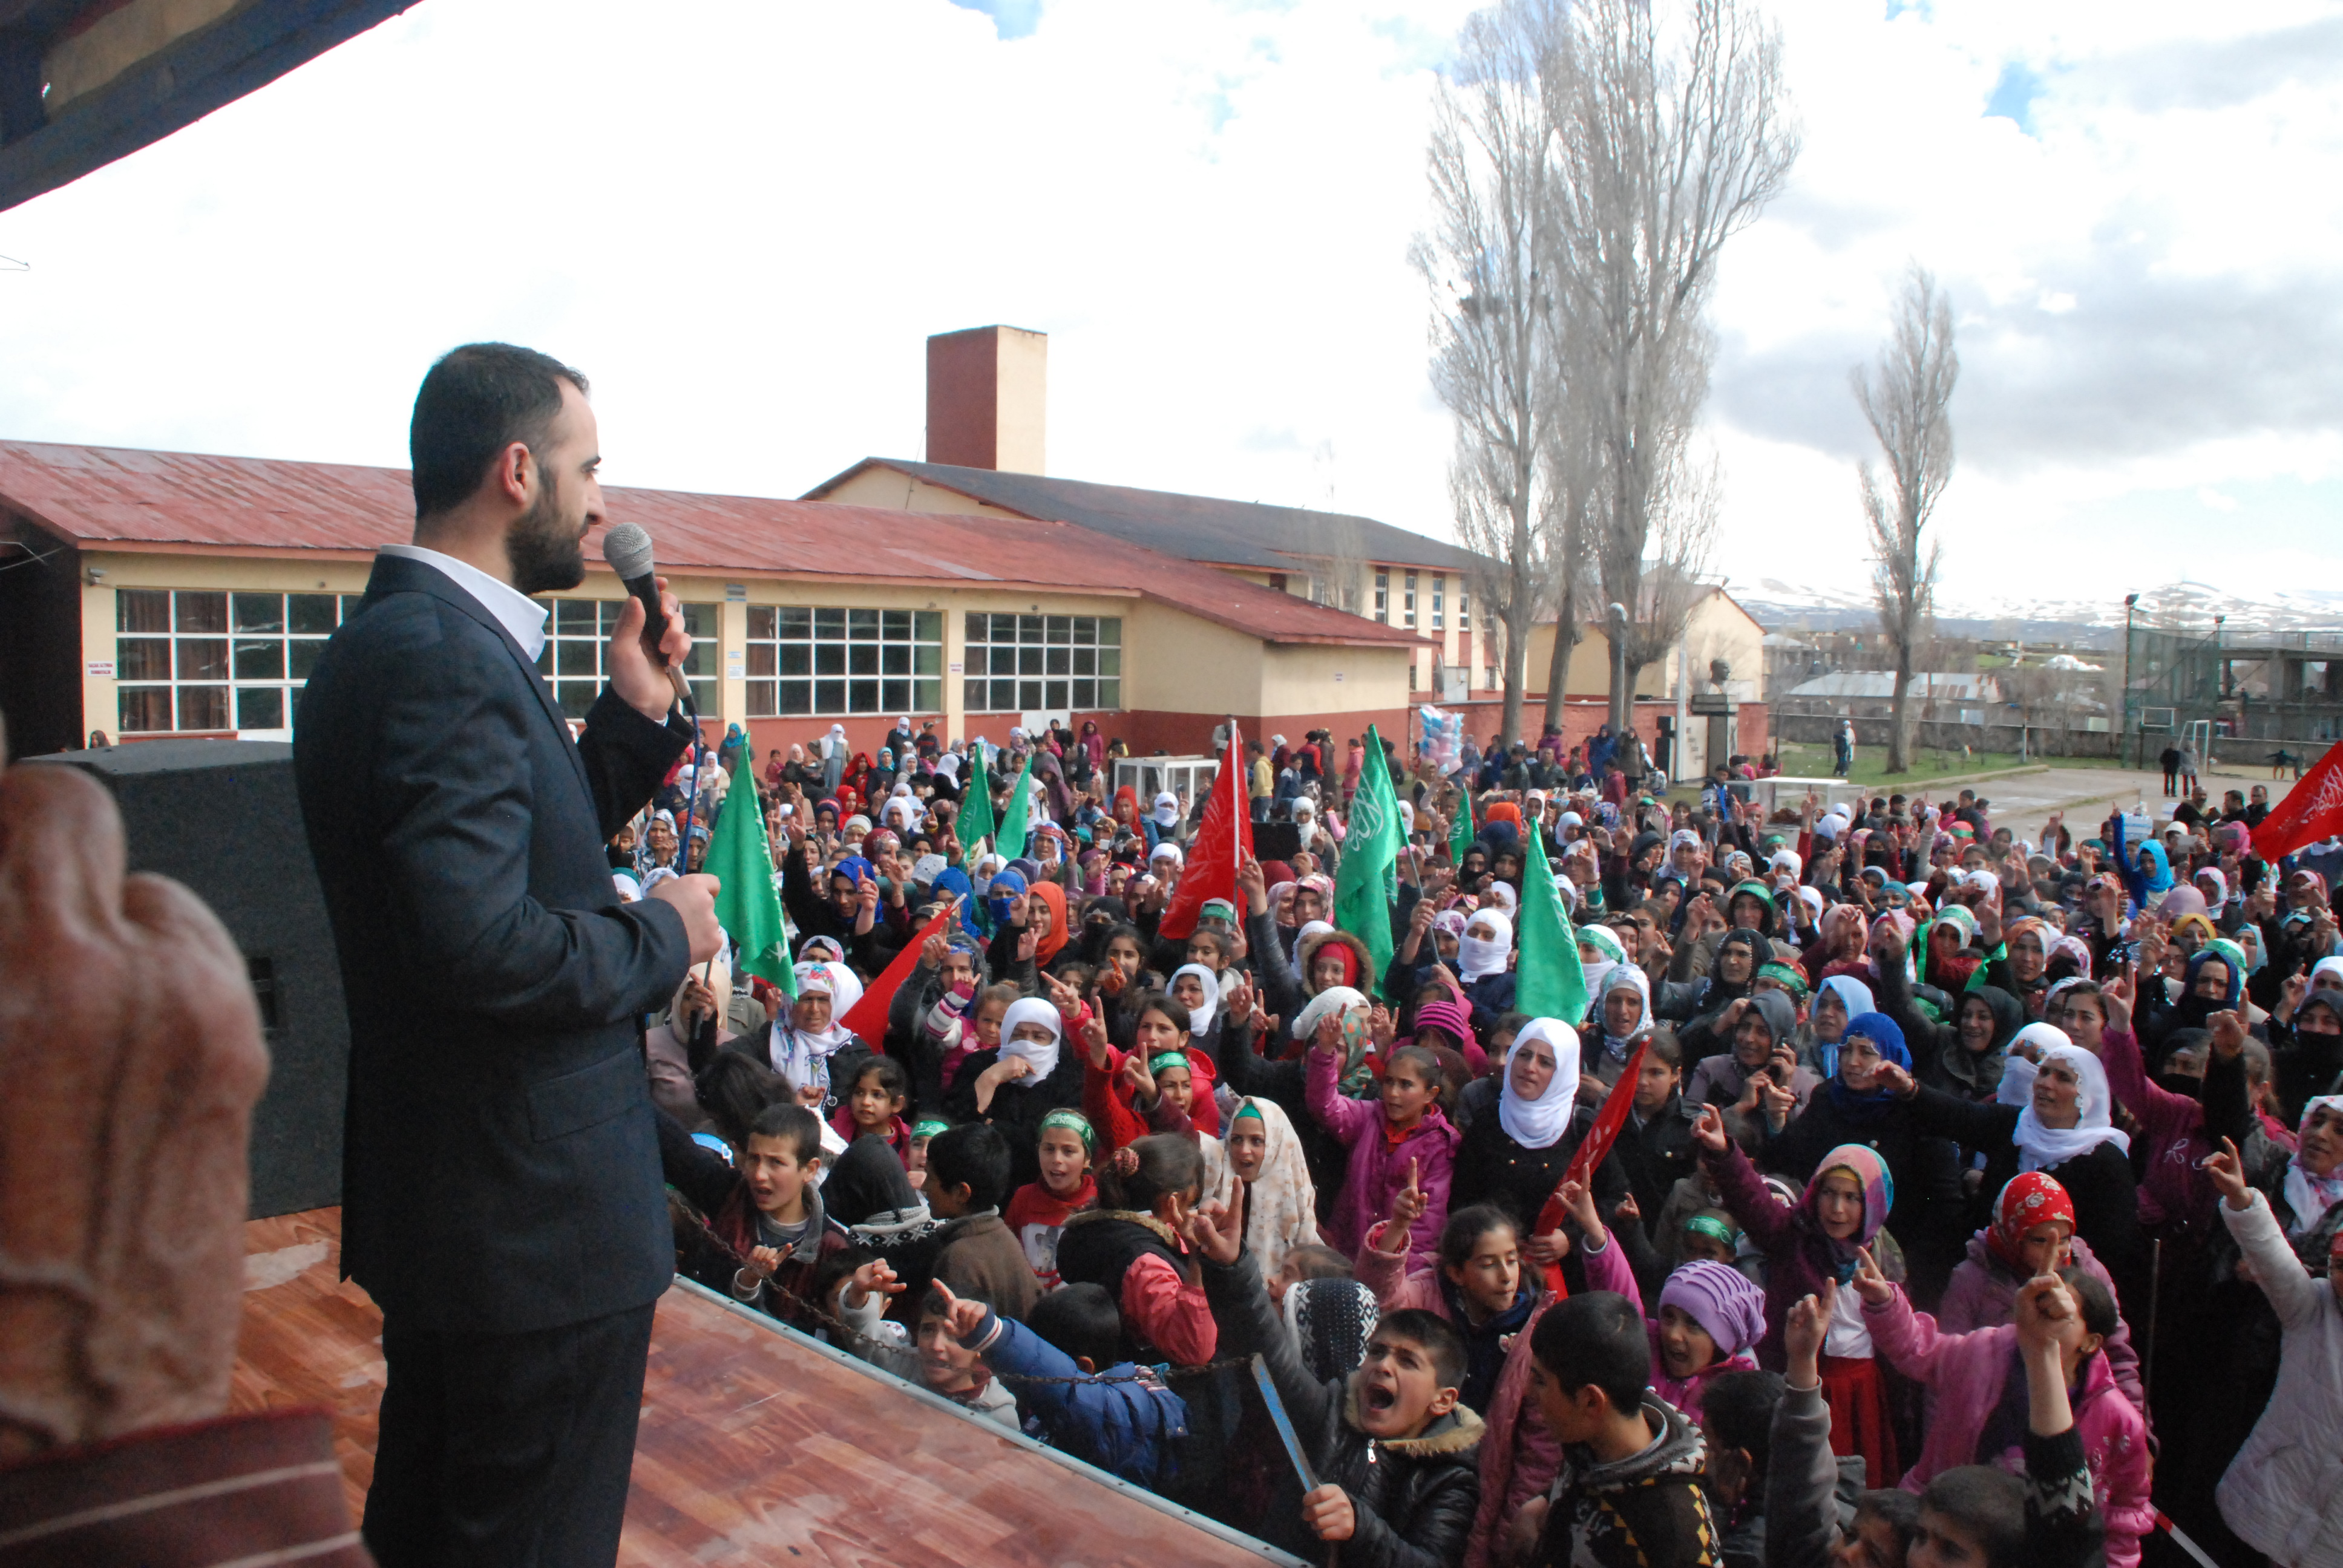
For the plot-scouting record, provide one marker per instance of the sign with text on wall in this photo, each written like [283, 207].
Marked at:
[102, 666]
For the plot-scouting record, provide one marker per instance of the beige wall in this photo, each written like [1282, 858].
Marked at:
[1173, 663]
[1718, 629]
[898, 491]
[1302, 679]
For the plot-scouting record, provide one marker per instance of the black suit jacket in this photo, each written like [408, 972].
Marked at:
[501, 1168]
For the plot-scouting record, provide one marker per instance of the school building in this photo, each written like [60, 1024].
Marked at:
[146, 594]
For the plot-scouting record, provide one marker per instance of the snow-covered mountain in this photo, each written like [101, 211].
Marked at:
[2086, 622]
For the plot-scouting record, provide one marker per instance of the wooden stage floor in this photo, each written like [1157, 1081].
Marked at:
[757, 1446]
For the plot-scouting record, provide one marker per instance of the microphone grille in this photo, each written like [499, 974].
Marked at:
[627, 548]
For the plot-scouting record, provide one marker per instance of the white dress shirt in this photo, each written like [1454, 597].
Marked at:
[515, 610]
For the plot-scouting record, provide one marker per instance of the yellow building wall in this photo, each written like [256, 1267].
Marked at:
[898, 491]
[1716, 628]
[1172, 662]
[1307, 679]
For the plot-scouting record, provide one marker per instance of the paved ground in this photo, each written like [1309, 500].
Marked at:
[2021, 802]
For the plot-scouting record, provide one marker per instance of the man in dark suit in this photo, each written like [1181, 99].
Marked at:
[502, 1200]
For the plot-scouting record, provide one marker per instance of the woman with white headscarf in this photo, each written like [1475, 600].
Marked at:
[1622, 1015]
[1483, 959]
[1521, 1128]
[808, 1041]
[1258, 1172]
[2065, 1128]
[1028, 1076]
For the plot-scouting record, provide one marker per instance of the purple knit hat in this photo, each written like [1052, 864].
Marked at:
[1722, 1300]
[1450, 1017]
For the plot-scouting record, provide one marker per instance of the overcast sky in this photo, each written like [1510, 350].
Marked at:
[741, 217]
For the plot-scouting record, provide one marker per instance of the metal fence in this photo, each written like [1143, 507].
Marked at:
[2258, 691]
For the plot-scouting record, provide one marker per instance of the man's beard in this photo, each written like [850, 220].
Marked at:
[545, 548]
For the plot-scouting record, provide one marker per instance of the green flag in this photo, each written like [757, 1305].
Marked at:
[975, 805]
[747, 906]
[1011, 842]
[1364, 882]
[1460, 835]
[1549, 981]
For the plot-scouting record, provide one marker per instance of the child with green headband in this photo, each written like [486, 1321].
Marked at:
[1039, 1211]
[925, 1128]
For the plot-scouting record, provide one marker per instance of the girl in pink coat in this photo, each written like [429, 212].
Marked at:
[1981, 1398]
[1399, 1131]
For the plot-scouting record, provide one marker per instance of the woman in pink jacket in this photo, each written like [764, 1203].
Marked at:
[2032, 1233]
[1981, 1415]
[1400, 1131]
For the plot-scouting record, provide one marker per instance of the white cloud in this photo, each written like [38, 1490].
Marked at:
[743, 225]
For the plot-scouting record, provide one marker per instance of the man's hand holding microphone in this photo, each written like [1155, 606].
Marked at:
[641, 659]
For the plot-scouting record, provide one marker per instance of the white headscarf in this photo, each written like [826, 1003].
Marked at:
[1033, 1009]
[1539, 1123]
[802, 1055]
[2326, 968]
[1481, 956]
[2303, 1194]
[1280, 1210]
[1200, 1019]
[2039, 1147]
[1166, 850]
[1503, 897]
[1167, 809]
[1623, 977]
[1334, 998]
[1309, 929]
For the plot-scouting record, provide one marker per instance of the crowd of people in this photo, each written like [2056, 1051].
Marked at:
[1978, 1198]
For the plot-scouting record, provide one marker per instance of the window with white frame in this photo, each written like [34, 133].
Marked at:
[1058, 664]
[1464, 606]
[1407, 602]
[577, 650]
[1439, 600]
[808, 663]
[214, 660]
[1383, 596]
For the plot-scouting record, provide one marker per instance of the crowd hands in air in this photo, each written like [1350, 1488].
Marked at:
[1976, 1201]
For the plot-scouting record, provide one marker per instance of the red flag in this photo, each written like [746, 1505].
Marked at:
[1597, 1143]
[2312, 810]
[868, 1016]
[1222, 841]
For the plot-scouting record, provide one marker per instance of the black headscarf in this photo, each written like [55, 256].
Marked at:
[868, 1180]
[1719, 990]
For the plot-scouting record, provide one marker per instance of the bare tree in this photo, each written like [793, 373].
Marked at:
[1671, 132]
[1685, 507]
[1492, 306]
[1576, 477]
[1907, 397]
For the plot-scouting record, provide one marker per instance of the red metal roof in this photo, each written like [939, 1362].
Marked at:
[122, 499]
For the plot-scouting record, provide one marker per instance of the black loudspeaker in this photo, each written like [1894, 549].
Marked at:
[221, 817]
[1276, 840]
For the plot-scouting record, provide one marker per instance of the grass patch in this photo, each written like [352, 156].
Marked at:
[1927, 762]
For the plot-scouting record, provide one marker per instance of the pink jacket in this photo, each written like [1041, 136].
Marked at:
[1378, 1170]
[1982, 1294]
[1607, 1270]
[1519, 1457]
[1966, 1374]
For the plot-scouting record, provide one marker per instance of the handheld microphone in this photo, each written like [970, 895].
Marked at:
[627, 551]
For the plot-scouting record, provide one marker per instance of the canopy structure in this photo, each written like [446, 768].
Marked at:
[85, 82]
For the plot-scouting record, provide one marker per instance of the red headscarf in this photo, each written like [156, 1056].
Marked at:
[1342, 950]
[1054, 896]
[2031, 1199]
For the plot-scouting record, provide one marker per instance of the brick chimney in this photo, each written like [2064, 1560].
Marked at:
[987, 398]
